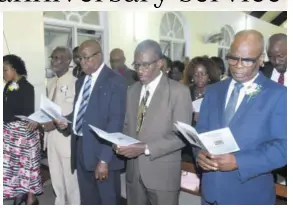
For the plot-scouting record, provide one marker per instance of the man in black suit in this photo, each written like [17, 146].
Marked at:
[100, 100]
[117, 61]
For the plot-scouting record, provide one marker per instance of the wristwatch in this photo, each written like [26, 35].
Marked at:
[146, 150]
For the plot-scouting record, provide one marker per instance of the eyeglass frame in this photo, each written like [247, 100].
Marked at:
[253, 60]
[145, 63]
[87, 58]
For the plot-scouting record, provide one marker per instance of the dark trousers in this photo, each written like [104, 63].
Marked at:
[95, 192]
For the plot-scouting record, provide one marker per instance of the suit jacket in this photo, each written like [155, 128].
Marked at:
[171, 102]
[63, 89]
[260, 129]
[18, 102]
[105, 110]
[267, 69]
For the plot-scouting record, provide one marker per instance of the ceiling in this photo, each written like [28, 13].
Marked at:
[278, 18]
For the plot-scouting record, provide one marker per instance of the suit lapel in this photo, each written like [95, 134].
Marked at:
[247, 103]
[223, 91]
[53, 87]
[155, 103]
[134, 106]
[100, 82]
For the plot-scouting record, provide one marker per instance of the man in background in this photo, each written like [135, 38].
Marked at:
[77, 71]
[117, 62]
[276, 70]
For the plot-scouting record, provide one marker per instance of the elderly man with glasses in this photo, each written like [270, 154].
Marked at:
[255, 110]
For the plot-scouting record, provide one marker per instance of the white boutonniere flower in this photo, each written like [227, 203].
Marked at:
[13, 86]
[252, 90]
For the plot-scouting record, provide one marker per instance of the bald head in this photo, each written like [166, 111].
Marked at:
[277, 51]
[90, 55]
[246, 55]
[117, 59]
[252, 37]
[91, 44]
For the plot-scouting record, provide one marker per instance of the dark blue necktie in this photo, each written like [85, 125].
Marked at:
[231, 106]
[83, 104]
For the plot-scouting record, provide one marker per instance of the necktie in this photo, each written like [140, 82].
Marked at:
[281, 79]
[83, 104]
[141, 111]
[231, 106]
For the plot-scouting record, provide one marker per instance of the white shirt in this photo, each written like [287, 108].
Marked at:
[276, 75]
[95, 76]
[241, 93]
[151, 87]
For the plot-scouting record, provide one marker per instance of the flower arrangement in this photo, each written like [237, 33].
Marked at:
[252, 90]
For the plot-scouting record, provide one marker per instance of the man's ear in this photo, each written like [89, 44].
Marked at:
[261, 59]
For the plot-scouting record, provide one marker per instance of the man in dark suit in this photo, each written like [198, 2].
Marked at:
[154, 104]
[100, 101]
[255, 110]
[117, 61]
[276, 68]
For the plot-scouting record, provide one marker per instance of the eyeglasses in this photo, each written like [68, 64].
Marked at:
[87, 58]
[247, 62]
[144, 65]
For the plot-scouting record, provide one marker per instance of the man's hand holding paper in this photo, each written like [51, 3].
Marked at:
[131, 151]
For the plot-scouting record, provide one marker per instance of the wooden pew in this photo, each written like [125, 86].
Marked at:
[281, 190]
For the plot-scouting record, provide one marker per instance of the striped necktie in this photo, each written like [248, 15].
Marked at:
[83, 104]
[231, 106]
[141, 111]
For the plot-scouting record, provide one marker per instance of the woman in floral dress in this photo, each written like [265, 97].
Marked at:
[21, 140]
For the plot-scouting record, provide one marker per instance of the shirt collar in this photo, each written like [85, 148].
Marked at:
[97, 72]
[245, 84]
[153, 84]
[276, 71]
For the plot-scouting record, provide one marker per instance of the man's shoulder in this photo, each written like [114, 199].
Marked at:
[215, 87]
[177, 86]
[114, 78]
[274, 87]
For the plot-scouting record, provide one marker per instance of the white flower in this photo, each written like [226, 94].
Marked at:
[64, 88]
[13, 86]
[252, 90]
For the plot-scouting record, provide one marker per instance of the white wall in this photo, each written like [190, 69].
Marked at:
[25, 34]
[25, 37]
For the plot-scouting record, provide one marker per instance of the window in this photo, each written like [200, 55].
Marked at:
[172, 36]
[71, 28]
[227, 35]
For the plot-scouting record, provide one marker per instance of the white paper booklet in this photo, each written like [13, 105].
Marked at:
[52, 110]
[216, 142]
[38, 116]
[48, 112]
[115, 138]
[196, 105]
